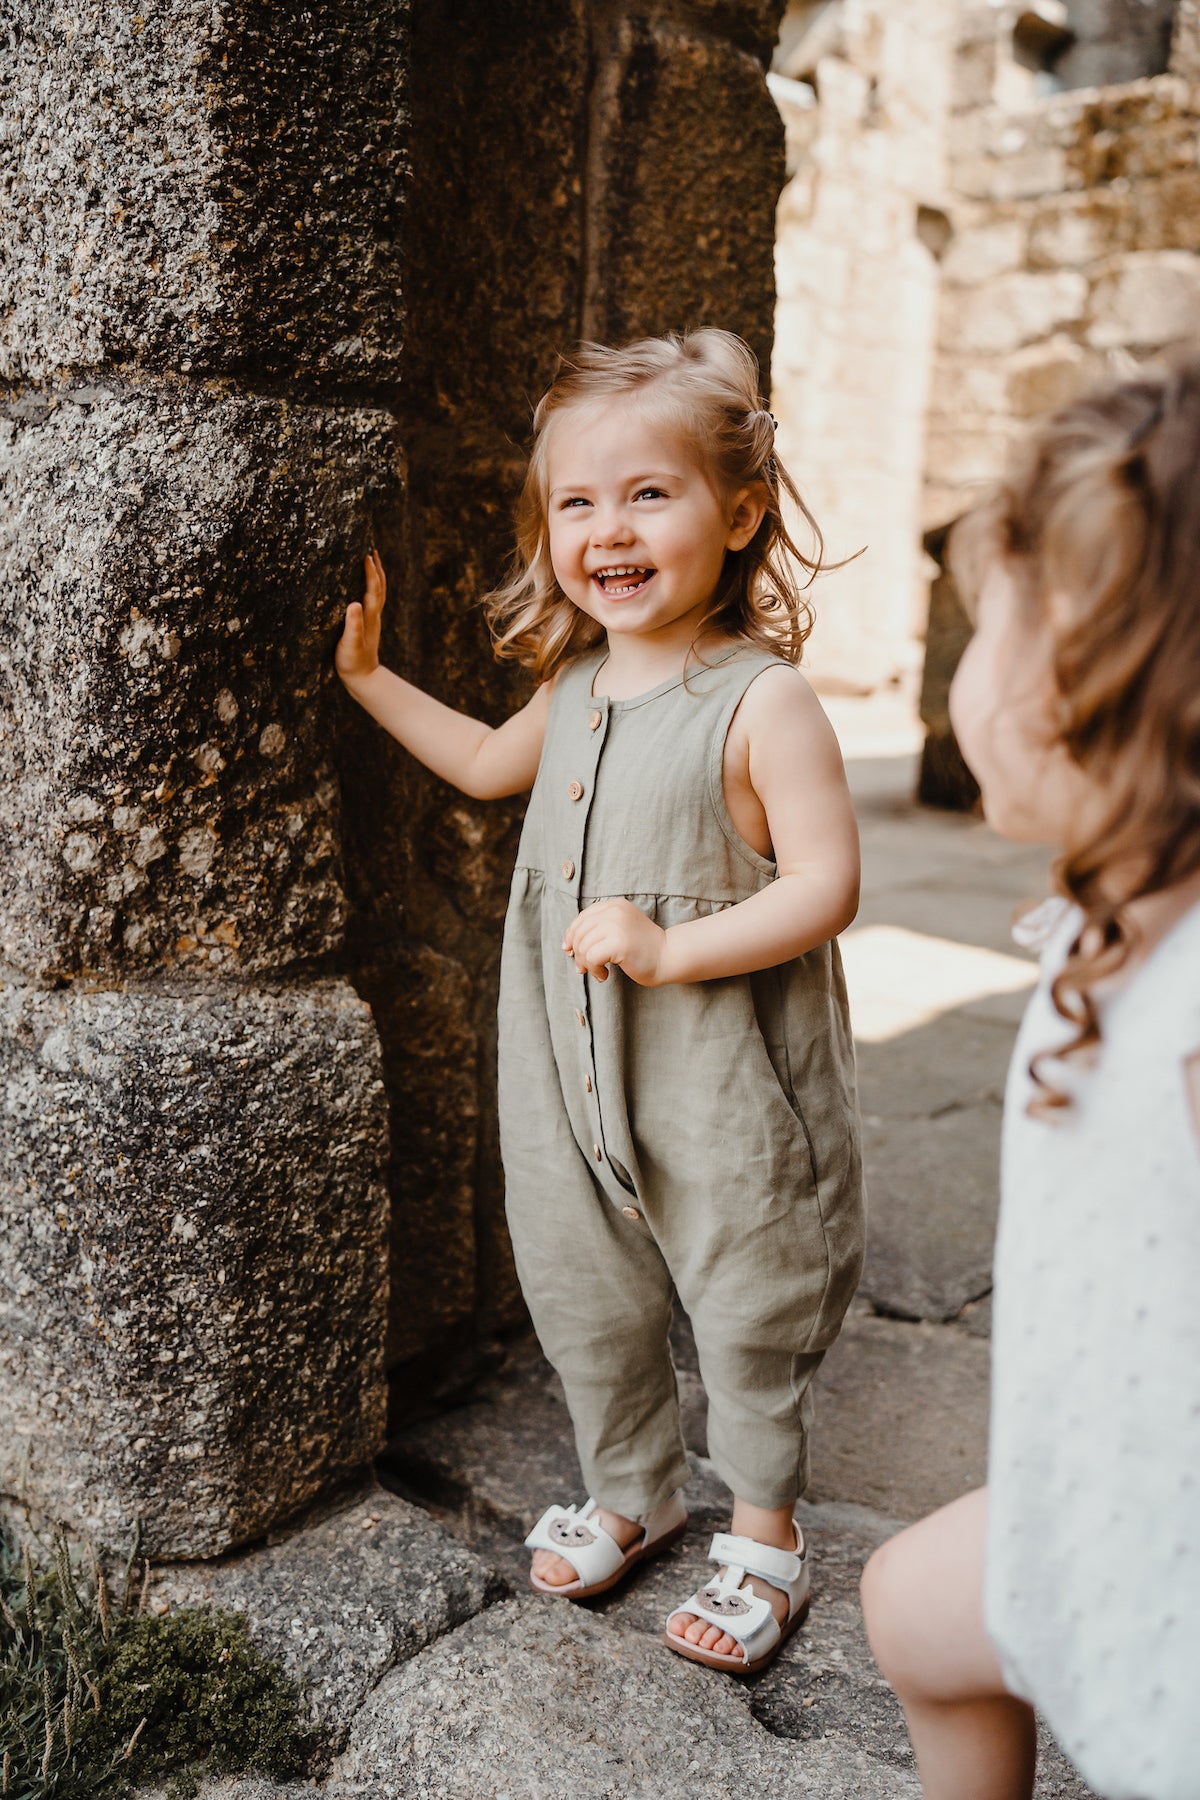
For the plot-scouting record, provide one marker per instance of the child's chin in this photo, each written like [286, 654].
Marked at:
[1010, 818]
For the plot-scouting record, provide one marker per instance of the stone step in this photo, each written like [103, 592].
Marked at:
[827, 1721]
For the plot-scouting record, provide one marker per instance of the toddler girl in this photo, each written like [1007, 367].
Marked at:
[676, 1070]
[1072, 1583]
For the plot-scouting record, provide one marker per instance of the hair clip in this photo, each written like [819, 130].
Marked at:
[771, 416]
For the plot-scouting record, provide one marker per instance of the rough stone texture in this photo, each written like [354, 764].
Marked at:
[675, 114]
[490, 1467]
[362, 1585]
[176, 564]
[928, 1387]
[498, 151]
[245, 215]
[203, 204]
[627, 128]
[1075, 246]
[539, 1699]
[192, 1284]
[856, 268]
[1091, 195]
[422, 1010]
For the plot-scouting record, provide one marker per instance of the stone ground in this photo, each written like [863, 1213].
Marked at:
[433, 1671]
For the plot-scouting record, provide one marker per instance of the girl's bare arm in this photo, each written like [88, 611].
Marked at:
[795, 769]
[484, 761]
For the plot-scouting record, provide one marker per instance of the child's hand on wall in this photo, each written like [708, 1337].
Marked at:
[357, 653]
[617, 932]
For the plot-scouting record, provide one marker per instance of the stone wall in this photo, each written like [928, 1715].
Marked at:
[276, 287]
[1075, 248]
[864, 94]
[572, 174]
[1076, 232]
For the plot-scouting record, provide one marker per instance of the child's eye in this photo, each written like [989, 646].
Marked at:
[573, 500]
[650, 493]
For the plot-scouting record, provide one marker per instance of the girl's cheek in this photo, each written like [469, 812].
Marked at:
[971, 701]
[1003, 743]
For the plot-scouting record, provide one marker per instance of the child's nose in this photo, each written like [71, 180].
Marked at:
[612, 528]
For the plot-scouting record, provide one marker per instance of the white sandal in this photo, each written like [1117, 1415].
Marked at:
[740, 1611]
[599, 1561]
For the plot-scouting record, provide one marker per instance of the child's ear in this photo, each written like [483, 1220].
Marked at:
[749, 506]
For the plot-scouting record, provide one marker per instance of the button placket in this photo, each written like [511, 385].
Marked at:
[579, 791]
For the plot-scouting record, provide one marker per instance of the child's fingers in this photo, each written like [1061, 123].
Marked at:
[376, 583]
[593, 952]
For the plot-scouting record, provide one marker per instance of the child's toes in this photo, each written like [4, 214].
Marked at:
[554, 1569]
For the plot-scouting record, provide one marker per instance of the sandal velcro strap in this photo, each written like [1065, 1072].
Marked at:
[776, 1566]
[576, 1535]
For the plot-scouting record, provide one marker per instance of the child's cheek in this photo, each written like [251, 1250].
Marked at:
[971, 703]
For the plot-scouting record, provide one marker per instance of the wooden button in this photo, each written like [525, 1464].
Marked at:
[597, 1153]
[587, 1084]
[594, 721]
[569, 869]
[575, 789]
[631, 1212]
[581, 1016]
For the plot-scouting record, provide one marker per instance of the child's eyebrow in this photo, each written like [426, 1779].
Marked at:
[582, 487]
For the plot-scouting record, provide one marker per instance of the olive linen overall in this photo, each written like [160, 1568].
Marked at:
[700, 1136]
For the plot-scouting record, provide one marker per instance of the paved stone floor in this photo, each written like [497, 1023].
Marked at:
[434, 1671]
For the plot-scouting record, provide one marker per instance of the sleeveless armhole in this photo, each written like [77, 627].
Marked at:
[763, 865]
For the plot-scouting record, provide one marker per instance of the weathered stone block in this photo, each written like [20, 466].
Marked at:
[494, 223]
[673, 248]
[221, 187]
[1140, 130]
[1045, 376]
[1145, 299]
[1165, 214]
[1012, 310]
[750, 24]
[423, 1005]
[355, 1588]
[1077, 230]
[175, 566]
[192, 1257]
[980, 252]
[521, 1687]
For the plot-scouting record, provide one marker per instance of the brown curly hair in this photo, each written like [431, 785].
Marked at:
[704, 386]
[1102, 506]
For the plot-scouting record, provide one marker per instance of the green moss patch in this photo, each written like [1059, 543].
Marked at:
[97, 1696]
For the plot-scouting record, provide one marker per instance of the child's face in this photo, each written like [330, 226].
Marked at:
[637, 534]
[1004, 707]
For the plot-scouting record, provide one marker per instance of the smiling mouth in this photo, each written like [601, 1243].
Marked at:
[619, 583]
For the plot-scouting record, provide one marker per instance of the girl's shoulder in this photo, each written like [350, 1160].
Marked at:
[1160, 993]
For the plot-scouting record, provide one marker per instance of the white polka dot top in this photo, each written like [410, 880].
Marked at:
[1093, 1554]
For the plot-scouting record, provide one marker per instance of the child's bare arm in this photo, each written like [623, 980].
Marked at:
[795, 768]
[484, 761]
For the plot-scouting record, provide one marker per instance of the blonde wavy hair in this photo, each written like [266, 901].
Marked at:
[702, 385]
[1102, 506]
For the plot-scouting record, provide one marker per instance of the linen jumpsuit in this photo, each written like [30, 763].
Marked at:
[700, 1136]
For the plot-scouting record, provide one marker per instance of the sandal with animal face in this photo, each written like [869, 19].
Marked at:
[576, 1534]
[742, 1613]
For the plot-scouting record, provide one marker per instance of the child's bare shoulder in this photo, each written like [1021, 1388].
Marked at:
[780, 698]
